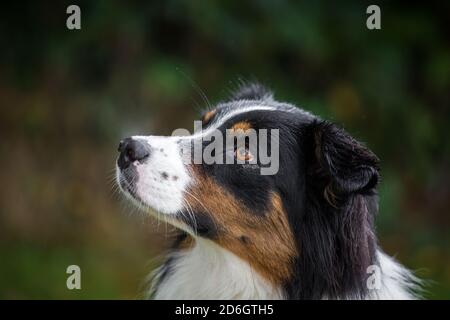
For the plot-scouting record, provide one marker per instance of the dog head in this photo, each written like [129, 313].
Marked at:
[307, 219]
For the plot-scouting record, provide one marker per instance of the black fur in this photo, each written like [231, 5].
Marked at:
[203, 224]
[334, 230]
[327, 183]
[250, 91]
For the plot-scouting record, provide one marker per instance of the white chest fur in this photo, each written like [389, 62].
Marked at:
[208, 271]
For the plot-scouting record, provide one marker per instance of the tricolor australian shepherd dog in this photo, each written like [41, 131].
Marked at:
[304, 231]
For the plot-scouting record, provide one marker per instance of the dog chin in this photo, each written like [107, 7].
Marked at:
[146, 195]
[152, 206]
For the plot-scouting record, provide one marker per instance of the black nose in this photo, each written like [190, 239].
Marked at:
[132, 150]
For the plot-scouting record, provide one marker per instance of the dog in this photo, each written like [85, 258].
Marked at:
[304, 232]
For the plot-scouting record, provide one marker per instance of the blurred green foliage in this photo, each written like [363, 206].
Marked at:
[67, 97]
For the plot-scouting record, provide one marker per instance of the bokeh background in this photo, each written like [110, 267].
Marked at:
[67, 97]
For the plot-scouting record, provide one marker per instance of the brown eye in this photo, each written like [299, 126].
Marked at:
[243, 154]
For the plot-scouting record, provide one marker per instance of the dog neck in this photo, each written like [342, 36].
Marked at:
[208, 271]
[205, 270]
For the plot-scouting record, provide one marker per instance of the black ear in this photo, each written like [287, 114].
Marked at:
[251, 91]
[337, 238]
[340, 163]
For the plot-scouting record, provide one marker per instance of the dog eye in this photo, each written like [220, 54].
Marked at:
[243, 154]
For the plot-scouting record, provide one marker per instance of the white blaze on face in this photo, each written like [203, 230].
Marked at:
[163, 178]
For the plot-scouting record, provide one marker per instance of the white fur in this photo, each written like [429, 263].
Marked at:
[162, 194]
[397, 282]
[208, 271]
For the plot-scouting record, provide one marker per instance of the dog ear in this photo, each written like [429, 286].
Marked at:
[340, 163]
[336, 237]
[251, 91]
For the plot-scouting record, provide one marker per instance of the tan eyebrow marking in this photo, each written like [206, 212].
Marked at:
[208, 115]
[242, 125]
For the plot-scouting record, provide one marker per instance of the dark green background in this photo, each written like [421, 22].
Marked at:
[67, 97]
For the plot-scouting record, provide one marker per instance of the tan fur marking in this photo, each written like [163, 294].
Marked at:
[208, 116]
[265, 241]
[242, 125]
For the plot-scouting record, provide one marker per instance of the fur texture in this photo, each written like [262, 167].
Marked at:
[306, 232]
